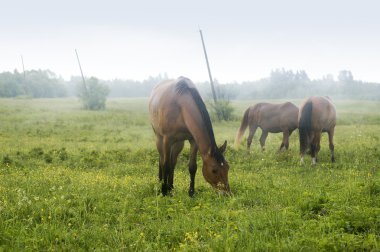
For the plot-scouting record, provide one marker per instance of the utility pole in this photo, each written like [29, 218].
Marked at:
[23, 67]
[24, 81]
[208, 68]
[80, 68]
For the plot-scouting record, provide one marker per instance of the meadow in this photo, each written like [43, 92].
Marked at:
[77, 180]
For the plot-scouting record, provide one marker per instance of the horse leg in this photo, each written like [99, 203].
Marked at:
[166, 149]
[285, 140]
[331, 143]
[192, 166]
[304, 146]
[307, 145]
[315, 146]
[303, 149]
[263, 138]
[290, 133]
[161, 157]
[252, 131]
[317, 150]
[174, 152]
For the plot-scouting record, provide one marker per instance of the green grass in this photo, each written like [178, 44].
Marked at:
[83, 180]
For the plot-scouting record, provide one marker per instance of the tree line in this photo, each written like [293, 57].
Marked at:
[297, 85]
[280, 84]
[33, 83]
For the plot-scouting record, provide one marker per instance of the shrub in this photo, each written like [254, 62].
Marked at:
[93, 94]
[223, 110]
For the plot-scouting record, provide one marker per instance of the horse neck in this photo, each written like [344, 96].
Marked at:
[197, 128]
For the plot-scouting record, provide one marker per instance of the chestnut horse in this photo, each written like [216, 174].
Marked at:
[317, 115]
[271, 118]
[178, 113]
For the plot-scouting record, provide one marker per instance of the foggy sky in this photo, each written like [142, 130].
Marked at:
[245, 39]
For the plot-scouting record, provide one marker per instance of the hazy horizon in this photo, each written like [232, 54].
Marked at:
[245, 39]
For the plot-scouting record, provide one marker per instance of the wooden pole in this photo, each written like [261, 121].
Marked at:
[24, 74]
[208, 68]
[80, 68]
[23, 67]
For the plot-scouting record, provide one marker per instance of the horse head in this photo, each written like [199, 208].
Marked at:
[215, 169]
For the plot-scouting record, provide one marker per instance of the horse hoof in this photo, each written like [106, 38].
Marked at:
[164, 190]
[191, 193]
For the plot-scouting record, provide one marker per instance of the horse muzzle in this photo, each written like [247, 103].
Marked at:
[224, 188]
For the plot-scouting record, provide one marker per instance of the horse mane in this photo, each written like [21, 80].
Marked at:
[182, 87]
[305, 124]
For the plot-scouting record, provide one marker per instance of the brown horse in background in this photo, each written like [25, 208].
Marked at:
[317, 115]
[178, 113]
[271, 118]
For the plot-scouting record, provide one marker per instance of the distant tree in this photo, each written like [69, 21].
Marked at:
[11, 84]
[36, 83]
[43, 84]
[345, 76]
[93, 94]
[348, 86]
[283, 83]
[328, 78]
[134, 88]
[301, 76]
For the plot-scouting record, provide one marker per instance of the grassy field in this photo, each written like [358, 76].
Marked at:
[87, 180]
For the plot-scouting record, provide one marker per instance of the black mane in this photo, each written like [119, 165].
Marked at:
[183, 87]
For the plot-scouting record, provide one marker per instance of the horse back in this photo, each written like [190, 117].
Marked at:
[323, 114]
[165, 108]
[169, 108]
[275, 117]
[289, 114]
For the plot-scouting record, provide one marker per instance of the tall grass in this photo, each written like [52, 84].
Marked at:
[82, 180]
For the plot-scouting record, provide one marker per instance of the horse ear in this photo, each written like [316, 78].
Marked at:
[223, 148]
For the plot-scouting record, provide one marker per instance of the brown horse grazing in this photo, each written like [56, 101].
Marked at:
[177, 113]
[317, 115]
[273, 118]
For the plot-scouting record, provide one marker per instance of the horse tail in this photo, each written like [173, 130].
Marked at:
[243, 127]
[304, 125]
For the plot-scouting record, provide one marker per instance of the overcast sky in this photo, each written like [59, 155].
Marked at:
[245, 39]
